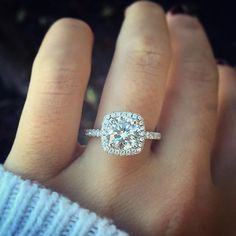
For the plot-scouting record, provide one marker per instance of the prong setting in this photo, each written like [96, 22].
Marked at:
[123, 133]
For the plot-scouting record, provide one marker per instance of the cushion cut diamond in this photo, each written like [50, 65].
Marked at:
[123, 133]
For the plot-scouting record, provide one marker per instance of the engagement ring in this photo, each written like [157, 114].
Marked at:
[122, 133]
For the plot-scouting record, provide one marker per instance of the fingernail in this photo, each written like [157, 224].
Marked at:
[181, 9]
[222, 62]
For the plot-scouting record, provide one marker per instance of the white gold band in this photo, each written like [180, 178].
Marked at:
[122, 133]
[96, 133]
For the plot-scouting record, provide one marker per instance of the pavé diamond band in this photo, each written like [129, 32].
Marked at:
[122, 133]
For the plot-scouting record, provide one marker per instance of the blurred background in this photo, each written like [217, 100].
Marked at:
[24, 23]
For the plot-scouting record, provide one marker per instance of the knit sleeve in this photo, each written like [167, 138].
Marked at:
[27, 208]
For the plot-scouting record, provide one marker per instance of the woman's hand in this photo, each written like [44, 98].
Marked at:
[164, 69]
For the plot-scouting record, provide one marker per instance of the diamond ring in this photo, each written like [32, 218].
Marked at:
[122, 133]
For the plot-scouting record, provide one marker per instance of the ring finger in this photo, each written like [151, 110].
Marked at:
[137, 77]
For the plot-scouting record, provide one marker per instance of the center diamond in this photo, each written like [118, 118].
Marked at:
[123, 133]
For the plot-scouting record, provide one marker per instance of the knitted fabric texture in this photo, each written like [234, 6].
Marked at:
[27, 208]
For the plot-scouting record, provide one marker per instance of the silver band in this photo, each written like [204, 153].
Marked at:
[122, 133]
[96, 133]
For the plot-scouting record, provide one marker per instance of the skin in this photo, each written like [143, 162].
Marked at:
[164, 69]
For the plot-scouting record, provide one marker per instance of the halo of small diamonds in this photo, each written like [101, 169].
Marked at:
[123, 133]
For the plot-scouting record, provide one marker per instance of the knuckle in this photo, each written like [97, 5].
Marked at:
[174, 216]
[179, 218]
[145, 56]
[200, 73]
[185, 210]
[56, 80]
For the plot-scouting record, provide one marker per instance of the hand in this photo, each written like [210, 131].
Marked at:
[164, 69]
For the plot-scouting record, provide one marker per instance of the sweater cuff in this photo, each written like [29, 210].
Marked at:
[27, 208]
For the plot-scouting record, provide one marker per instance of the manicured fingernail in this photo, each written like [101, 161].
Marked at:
[181, 9]
[223, 62]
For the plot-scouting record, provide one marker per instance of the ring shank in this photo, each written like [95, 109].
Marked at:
[96, 133]
[152, 135]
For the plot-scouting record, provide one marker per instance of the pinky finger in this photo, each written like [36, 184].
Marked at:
[224, 162]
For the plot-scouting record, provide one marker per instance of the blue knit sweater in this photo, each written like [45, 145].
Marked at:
[27, 209]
